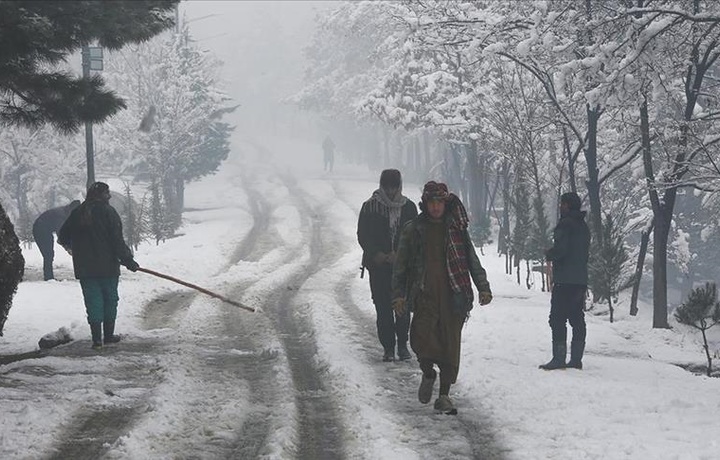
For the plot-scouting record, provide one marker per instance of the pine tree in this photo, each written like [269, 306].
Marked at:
[523, 226]
[608, 256]
[36, 36]
[12, 266]
[540, 238]
[701, 311]
[157, 214]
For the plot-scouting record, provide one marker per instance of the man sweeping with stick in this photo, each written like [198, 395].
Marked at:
[93, 235]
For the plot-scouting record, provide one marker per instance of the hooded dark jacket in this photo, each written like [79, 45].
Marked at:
[571, 249]
[93, 233]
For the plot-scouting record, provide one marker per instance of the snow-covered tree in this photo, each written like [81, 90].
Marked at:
[701, 311]
[172, 132]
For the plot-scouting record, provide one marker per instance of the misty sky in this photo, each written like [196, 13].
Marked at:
[260, 43]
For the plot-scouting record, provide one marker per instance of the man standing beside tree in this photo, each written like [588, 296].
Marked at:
[379, 224]
[569, 256]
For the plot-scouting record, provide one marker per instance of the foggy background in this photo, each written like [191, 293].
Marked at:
[261, 46]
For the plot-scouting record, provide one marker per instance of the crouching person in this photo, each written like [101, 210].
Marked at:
[93, 235]
[434, 270]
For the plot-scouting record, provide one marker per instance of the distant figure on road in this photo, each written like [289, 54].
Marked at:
[381, 219]
[328, 153]
[93, 236]
[45, 225]
[433, 275]
[569, 256]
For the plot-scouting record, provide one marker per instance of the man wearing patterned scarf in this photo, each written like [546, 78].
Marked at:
[433, 275]
[379, 224]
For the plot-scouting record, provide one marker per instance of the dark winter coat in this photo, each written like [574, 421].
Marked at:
[374, 231]
[409, 269]
[571, 249]
[51, 220]
[93, 233]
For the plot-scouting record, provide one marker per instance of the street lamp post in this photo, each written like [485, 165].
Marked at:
[92, 59]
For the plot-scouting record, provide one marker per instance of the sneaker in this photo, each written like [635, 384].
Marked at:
[97, 346]
[389, 356]
[444, 404]
[403, 353]
[426, 388]
[112, 339]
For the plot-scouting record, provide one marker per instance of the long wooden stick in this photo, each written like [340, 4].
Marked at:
[197, 288]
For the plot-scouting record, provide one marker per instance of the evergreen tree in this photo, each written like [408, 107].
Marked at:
[523, 226]
[701, 311]
[36, 36]
[481, 232]
[157, 214]
[540, 238]
[173, 86]
[608, 256]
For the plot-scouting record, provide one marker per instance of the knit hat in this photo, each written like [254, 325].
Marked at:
[97, 190]
[435, 191]
[390, 178]
[572, 200]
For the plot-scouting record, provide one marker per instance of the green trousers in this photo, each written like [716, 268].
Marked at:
[101, 298]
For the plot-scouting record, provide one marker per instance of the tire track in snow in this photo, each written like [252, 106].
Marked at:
[320, 429]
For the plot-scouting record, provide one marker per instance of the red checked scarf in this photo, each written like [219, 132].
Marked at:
[457, 257]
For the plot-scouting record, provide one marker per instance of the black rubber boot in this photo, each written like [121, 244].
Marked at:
[576, 354]
[389, 355]
[403, 353]
[109, 333]
[96, 332]
[558, 359]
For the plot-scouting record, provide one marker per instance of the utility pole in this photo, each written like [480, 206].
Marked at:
[89, 148]
[92, 59]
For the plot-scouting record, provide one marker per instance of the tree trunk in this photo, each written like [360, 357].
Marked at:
[473, 181]
[707, 353]
[570, 161]
[180, 194]
[637, 277]
[661, 226]
[386, 147]
[417, 156]
[660, 240]
[612, 310]
[427, 150]
[528, 275]
[592, 183]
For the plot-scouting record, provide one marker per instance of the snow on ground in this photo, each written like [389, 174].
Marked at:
[630, 401]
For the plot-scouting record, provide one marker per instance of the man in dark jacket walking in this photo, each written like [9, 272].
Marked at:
[379, 224]
[45, 225]
[434, 272]
[569, 256]
[93, 235]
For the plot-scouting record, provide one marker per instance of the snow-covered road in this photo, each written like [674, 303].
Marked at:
[302, 377]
